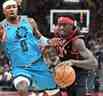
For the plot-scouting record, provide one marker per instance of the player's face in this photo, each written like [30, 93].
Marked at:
[65, 29]
[10, 11]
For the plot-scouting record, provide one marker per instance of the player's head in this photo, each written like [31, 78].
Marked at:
[66, 24]
[10, 8]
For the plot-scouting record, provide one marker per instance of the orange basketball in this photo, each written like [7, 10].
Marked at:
[64, 75]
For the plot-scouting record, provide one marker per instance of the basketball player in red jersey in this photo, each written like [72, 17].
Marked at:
[72, 50]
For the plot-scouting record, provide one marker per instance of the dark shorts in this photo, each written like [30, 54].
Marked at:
[85, 83]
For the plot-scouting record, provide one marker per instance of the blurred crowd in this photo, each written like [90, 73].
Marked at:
[40, 11]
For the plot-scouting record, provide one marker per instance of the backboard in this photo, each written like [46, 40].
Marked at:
[82, 17]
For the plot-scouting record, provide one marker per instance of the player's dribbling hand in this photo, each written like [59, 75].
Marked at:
[68, 62]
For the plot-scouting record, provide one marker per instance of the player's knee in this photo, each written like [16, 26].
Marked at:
[22, 86]
[21, 83]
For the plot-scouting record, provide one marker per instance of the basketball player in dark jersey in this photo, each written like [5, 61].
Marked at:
[72, 50]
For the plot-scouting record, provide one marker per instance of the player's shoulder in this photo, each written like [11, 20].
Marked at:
[79, 43]
[3, 22]
[31, 20]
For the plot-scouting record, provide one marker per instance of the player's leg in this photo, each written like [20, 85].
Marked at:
[42, 79]
[84, 84]
[22, 84]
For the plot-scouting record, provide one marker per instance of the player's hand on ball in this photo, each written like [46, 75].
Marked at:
[68, 62]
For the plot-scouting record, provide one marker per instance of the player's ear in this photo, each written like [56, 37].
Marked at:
[74, 24]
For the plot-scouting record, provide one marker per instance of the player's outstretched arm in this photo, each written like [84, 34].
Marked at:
[89, 61]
